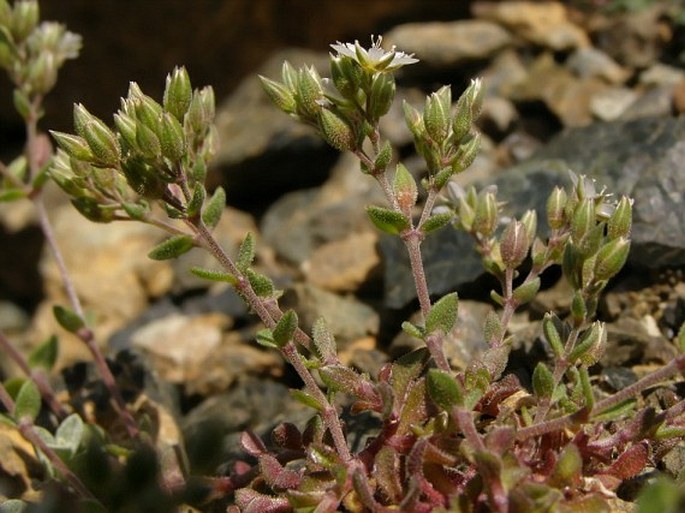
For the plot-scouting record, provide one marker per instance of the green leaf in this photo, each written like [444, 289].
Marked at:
[444, 389]
[437, 221]
[195, 204]
[324, 342]
[27, 403]
[340, 378]
[413, 330]
[616, 411]
[69, 433]
[246, 253]
[214, 207]
[69, 320]
[13, 194]
[172, 247]
[543, 381]
[407, 368]
[493, 330]
[285, 328]
[662, 496]
[262, 285]
[386, 220]
[212, 275]
[45, 355]
[680, 339]
[265, 338]
[552, 334]
[443, 315]
[526, 292]
[307, 399]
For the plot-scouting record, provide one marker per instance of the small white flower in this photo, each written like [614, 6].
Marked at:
[375, 58]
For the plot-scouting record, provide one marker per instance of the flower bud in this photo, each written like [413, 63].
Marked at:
[81, 117]
[485, 220]
[346, 75]
[147, 142]
[404, 187]
[102, 141]
[611, 258]
[289, 76]
[556, 204]
[414, 121]
[279, 95]
[126, 126]
[514, 244]
[583, 219]
[148, 112]
[336, 131]
[208, 103]
[171, 137]
[620, 222]
[25, 18]
[530, 223]
[461, 124]
[73, 145]
[42, 73]
[436, 115]
[382, 95]
[177, 93]
[309, 93]
[466, 154]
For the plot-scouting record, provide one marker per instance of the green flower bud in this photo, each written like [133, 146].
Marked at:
[436, 114]
[583, 219]
[336, 131]
[208, 103]
[485, 220]
[126, 126]
[289, 76]
[81, 117]
[73, 145]
[578, 309]
[195, 120]
[514, 244]
[543, 381]
[382, 95]
[102, 141]
[171, 137]
[611, 258]
[413, 120]
[147, 142]
[466, 154]
[620, 222]
[149, 113]
[42, 73]
[404, 187]
[461, 123]
[279, 95]
[527, 291]
[346, 75]
[309, 93]
[25, 18]
[177, 93]
[556, 204]
[530, 222]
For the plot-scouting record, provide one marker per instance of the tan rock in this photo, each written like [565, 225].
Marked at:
[343, 265]
[444, 44]
[542, 23]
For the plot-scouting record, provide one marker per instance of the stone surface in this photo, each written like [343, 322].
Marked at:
[301, 221]
[347, 318]
[567, 96]
[111, 273]
[611, 104]
[343, 265]
[178, 346]
[544, 23]
[641, 158]
[264, 152]
[449, 44]
[591, 62]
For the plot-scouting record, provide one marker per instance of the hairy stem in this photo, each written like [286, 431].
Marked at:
[46, 391]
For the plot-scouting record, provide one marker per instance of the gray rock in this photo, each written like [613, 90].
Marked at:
[447, 44]
[591, 62]
[301, 221]
[347, 318]
[641, 158]
[610, 104]
[264, 152]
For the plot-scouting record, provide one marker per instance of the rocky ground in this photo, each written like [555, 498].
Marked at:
[569, 87]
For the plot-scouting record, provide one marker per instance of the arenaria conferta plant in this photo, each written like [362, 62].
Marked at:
[471, 440]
